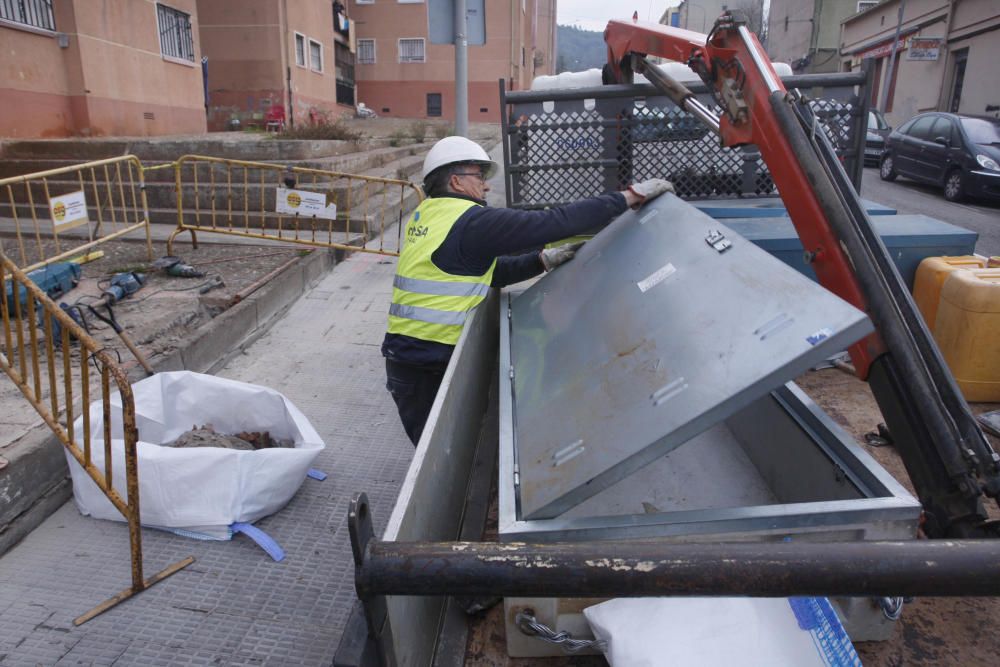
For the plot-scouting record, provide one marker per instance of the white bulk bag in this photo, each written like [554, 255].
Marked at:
[696, 632]
[198, 490]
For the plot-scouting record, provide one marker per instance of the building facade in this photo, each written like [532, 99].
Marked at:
[806, 33]
[401, 74]
[282, 62]
[100, 67]
[945, 60]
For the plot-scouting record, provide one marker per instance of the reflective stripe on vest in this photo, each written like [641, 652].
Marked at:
[428, 303]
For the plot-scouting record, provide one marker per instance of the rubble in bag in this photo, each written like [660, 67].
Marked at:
[206, 436]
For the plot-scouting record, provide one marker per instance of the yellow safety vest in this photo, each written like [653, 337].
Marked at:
[428, 303]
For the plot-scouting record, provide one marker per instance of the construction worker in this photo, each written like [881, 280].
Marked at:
[455, 248]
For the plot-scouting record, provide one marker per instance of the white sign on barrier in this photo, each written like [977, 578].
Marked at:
[68, 211]
[305, 204]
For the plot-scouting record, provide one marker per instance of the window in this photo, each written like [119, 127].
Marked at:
[433, 104]
[865, 5]
[300, 50]
[364, 2]
[411, 50]
[958, 79]
[175, 33]
[315, 56]
[942, 128]
[410, 2]
[34, 13]
[366, 51]
[344, 65]
[921, 128]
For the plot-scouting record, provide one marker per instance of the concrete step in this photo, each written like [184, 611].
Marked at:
[356, 162]
[231, 145]
[253, 196]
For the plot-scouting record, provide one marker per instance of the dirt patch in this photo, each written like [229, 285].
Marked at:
[942, 632]
[167, 309]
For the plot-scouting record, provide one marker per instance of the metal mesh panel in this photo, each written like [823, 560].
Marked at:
[572, 147]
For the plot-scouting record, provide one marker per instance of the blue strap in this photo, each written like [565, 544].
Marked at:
[316, 474]
[263, 540]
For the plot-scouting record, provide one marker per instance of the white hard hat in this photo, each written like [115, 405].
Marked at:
[457, 150]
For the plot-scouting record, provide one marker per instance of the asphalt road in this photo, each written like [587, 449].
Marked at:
[906, 196]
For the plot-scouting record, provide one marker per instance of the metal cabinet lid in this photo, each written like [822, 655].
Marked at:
[650, 336]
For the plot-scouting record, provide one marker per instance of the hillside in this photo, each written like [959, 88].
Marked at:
[579, 49]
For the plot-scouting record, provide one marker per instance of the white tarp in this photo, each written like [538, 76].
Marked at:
[591, 78]
[199, 490]
[703, 632]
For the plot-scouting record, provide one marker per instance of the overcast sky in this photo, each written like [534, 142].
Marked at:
[594, 14]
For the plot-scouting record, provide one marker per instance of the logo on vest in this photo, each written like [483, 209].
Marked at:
[415, 232]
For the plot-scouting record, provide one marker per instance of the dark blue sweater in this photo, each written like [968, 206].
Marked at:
[513, 238]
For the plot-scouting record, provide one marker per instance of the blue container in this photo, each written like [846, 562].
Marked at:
[764, 207]
[909, 239]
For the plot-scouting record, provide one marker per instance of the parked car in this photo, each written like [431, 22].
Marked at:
[958, 152]
[876, 136]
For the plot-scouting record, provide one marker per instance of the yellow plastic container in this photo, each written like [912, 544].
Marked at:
[967, 330]
[931, 274]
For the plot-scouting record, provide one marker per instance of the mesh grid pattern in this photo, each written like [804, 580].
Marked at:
[561, 151]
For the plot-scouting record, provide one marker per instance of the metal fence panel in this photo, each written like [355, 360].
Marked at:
[59, 213]
[243, 198]
[60, 370]
[563, 145]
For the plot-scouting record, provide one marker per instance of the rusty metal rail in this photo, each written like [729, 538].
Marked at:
[263, 201]
[60, 370]
[60, 213]
[661, 567]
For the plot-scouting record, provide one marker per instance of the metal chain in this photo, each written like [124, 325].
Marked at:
[529, 625]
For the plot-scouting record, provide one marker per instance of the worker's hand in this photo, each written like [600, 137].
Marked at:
[647, 190]
[553, 257]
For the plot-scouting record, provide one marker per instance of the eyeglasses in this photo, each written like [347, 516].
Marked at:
[477, 174]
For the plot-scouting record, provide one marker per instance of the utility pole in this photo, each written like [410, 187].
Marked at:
[889, 78]
[461, 70]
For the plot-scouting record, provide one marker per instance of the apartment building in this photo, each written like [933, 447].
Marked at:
[100, 67]
[806, 33]
[278, 62]
[946, 55]
[401, 74]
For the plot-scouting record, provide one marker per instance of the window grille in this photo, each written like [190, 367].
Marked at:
[366, 51]
[411, 50]
[864, 5]
[34, 13]
[176, 40]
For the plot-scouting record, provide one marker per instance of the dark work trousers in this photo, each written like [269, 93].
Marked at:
[413, 388]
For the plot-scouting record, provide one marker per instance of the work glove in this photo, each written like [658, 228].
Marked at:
[650, 189]
[553, 257]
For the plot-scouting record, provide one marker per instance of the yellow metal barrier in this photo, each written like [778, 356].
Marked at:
[61, 212]
[290, 204]
[53, 374]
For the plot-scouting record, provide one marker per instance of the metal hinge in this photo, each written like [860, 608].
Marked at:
[718, 241]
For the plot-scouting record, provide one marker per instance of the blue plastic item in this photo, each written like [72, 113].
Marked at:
[909, 239]
[54, 279]
[764, 207]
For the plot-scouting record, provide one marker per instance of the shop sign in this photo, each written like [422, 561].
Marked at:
[882, 50]
[924, 48]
